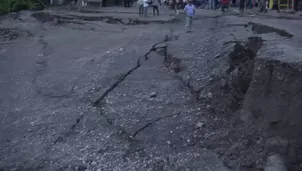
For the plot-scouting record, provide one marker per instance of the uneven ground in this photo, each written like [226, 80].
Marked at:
[103, 91]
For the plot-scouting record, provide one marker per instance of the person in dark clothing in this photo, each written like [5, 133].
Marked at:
[262, 6]
[249, 4]
[296, 5]
[276, 6]
[127, 3]
[224, 5]
[104, 3]
[155, 5]
[233, 3]
[242, 5]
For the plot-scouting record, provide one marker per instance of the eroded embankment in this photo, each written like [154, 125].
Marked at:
[260, 96]
[274, 100]
[264, 90]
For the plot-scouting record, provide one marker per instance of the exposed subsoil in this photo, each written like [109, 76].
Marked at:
[145, 97]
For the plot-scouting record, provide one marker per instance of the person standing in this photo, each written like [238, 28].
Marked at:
[234, 3]
[140, 4]
[249, 4]
[212, 4]
[84, 3]
[190, 13]
[127, 3]
[224, 5]
[146, 5]
[242, 5]
[263, 6]
[155, 5]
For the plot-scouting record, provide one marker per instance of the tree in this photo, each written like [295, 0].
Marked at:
[7, 6]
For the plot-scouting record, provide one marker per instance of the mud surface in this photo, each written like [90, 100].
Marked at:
[118, 94]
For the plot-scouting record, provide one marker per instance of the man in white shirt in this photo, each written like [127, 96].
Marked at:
[190, 13]
[140, 4]
[146, 5]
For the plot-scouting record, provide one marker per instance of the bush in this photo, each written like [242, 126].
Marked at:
[7, 6]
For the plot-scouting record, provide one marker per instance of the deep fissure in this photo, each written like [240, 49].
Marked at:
[99, 100]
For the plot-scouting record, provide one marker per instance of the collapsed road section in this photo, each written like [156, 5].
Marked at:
[95, 95]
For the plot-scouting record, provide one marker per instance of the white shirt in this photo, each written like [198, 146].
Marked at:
[146, 4]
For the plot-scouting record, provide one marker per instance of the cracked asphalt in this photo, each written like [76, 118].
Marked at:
[84, 97]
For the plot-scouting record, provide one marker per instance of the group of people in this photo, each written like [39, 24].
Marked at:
[213, 4]
[143, 6]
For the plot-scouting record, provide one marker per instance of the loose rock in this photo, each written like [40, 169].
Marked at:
[275, 163]
[153, 94]
[210, 95]
[199, 124]
[223, 83]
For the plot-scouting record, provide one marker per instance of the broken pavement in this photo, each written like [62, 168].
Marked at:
[98, 95]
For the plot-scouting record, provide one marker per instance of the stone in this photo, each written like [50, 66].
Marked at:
[246, 116]
[153, 94]
[210, 95]
[126, 21]
[175, 64]
[223, 83]
[199, 124]
[275, 163]
[235, 73]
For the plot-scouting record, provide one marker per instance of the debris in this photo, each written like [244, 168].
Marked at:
[153, 94]
[275, 163]
[223, 83]
[210, 95]
[217, 56]
[235, 73]
[200, 124]
[169, 142]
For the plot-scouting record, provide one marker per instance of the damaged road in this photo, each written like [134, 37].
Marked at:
[95, 95]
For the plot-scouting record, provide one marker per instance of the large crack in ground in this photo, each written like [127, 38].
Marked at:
[99, 101]
[151, 123]
[60, 19]
[263, 29]
[237, 83]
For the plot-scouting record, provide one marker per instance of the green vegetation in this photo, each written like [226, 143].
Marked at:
[7, 6]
